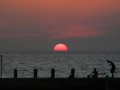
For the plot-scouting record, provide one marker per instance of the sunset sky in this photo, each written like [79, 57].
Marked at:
[38, 25]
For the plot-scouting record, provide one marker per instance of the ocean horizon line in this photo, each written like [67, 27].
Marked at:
[83, 52]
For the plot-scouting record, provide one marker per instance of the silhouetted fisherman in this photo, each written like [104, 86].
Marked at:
[95, 73]
[112, 68]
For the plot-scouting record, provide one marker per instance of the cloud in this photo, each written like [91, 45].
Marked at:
[53, 33]
[77, 31]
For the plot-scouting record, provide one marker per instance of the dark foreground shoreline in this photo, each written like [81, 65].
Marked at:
[60, 84]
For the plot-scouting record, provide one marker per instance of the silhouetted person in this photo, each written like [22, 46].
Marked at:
[95, 73]
[112, 68]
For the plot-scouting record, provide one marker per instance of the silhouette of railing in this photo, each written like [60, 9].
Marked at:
[52, 73]
[53, 83]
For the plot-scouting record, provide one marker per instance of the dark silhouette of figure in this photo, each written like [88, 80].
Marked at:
[95, 73]
[112, 68]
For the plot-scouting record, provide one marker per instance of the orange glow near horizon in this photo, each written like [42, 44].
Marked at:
[60, 47]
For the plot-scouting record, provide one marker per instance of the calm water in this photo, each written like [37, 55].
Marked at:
[62, 62]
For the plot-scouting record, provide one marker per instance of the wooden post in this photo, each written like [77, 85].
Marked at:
[52, 73]
[35, 73]
[15, 73]
[107, 76]
[72, 73]
[106, 82]
[1, 65]
[88, 76]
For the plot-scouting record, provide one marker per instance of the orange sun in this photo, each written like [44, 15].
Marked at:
[60, 47]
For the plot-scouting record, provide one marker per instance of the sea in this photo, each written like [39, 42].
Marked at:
[83, 63]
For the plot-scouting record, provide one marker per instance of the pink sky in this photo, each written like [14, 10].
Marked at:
[87, 25]
[30, 18]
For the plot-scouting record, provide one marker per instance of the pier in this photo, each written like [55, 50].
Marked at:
[53, 83]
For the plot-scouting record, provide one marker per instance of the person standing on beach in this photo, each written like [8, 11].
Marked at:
[112, 68]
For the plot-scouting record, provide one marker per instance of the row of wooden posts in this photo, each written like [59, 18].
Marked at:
[52, 73]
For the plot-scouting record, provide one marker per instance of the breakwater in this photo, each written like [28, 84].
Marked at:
[60, 84]
[53, 83]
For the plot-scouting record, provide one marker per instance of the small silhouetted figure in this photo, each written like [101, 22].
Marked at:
[95, 73]
[112, 68]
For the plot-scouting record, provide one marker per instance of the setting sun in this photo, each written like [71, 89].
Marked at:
[60, 47]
